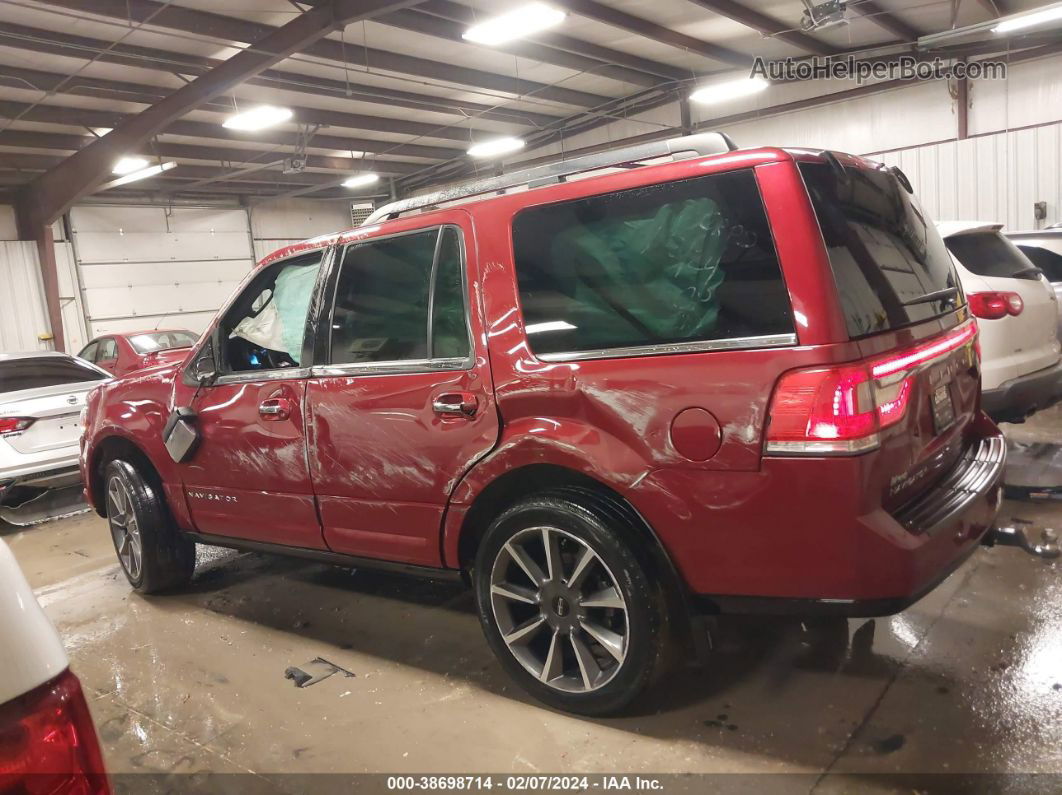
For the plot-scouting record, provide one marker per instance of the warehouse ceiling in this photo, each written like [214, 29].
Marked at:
[402, 94]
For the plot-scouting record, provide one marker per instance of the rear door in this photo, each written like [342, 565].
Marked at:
[1029, 342]
[402, 405]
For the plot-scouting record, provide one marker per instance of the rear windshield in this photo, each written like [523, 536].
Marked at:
[19, 374]
[889, 263]
[162, 341]
[1046, 260]
[677, 262]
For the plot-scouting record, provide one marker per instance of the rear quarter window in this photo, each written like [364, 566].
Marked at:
[1046, 260]
[678, 262]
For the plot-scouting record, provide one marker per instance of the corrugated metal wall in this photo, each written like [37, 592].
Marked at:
[996, 177]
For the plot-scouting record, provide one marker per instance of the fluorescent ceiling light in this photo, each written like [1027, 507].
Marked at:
[143, 173]
[361, 180]
[127, 165]
[99, 132]
[495, 147]
[258, 118]
[731, 89]
[1029, 20]
[523, 21]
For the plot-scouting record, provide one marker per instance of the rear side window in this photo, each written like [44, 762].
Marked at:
[18, 374]
[678, 262]
[1046, 260]
[888, 261]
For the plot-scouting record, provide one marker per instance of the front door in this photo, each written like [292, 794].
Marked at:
[249, 477]
[403, 406]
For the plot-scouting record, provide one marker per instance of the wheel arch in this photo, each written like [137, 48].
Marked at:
[467, 524]
[114, 447]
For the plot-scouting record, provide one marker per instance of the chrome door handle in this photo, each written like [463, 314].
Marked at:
[457, 404]
[274, 409]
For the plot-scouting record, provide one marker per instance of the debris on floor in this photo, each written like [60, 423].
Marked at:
[316, 670]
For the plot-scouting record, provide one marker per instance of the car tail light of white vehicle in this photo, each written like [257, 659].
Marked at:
[841, 409]
[15, 424]
[48, 743]
[995, 305]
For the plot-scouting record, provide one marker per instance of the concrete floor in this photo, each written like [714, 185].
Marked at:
[967, 681]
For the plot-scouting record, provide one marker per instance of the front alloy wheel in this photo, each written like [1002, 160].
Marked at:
[125, 528]
[559, 610]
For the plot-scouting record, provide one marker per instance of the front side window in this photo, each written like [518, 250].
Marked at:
[384, 299]
[678, 262]
[266, 327]
[41, 371]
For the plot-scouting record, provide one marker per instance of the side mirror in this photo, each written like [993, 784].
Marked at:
[204, 369]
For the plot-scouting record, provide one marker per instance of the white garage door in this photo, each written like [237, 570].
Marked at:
[153, 267]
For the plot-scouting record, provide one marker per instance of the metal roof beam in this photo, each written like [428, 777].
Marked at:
[33, 139]
[170, 62]
[640, 26]
[886, 20]
[768, 26]
[204, 23]
[82, 117]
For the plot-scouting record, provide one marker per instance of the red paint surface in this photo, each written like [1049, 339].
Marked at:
[389, 478]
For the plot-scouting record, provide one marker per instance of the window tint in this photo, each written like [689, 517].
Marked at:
[108, 350]
[677, 262]
[991, 254]
[162, 341]
[88, 353]
[32, 373]
[449, 331]
[1044, 259]
[886, 256]
[381, 304]
[265, 328]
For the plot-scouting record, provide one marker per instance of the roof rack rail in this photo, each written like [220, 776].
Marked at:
[699, 145]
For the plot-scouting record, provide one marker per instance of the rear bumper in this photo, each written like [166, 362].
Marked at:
[800, 539]
[1014, 400]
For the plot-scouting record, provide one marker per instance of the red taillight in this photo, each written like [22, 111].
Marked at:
[48, 743]
[14, 424]
[994, 305]
[841, 409]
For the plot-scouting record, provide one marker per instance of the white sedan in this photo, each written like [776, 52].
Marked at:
[48, 742]
[41, 397]
[1017, 312]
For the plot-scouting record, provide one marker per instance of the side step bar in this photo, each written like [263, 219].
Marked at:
[1018, 537]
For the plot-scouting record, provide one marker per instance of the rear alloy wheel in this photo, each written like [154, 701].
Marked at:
[566, 605]
[152, 552]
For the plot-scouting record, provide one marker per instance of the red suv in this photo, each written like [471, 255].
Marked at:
[610, 393]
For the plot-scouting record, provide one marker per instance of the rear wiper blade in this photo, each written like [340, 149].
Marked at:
[1026, 272]
[936, 295]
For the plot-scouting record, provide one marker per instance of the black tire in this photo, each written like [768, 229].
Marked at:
[577, 520]
[167, 557]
